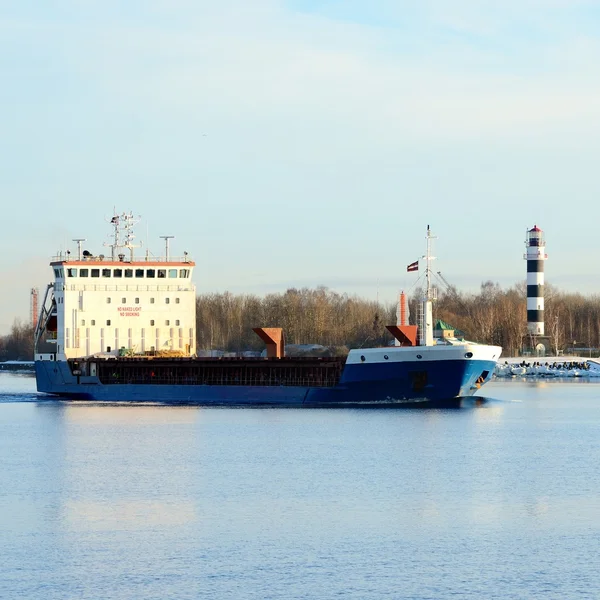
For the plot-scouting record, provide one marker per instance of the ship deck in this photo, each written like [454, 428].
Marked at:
[289, 371]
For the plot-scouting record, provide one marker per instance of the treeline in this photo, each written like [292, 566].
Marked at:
[18, 344]
[320, 316]
[307, 316]
[492, 316]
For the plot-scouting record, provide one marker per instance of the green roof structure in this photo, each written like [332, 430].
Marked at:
[443, 326]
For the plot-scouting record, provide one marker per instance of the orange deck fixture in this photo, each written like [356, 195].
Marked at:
[405, 334]
[274, 339]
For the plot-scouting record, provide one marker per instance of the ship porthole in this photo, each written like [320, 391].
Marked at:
[362, 357]
[419, 356]
[385, 356]
[469, 355]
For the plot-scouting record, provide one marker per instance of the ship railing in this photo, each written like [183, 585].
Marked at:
[71, 257]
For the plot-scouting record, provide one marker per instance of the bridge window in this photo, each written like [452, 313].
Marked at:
[108, 321]
[167, 322]
[123, 300]
[162, 273]
[137, 300]
[150, 273]
[72, 272]
[176, 300]
[83, 272]
[95, 272]
[106, 272]
[177, 323]
[167, 300]
[118, 273]
[128, 272]
[184, 273]
[151, 322]
[172, 273]
[108, 301]
[93, 322]
[139, 273]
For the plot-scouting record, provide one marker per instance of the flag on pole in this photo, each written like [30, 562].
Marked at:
[413, 266]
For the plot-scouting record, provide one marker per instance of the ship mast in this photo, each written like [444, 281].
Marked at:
[122, 224]
[79, 252]
[426, 329]
[167, 238]
[428, 259]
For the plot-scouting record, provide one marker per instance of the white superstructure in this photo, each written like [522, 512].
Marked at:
[119, 305]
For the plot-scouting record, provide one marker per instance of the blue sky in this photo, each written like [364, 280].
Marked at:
[303, 143]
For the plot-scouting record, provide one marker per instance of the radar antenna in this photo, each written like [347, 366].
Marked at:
[79, 241]
[123, 234]
[167, 238]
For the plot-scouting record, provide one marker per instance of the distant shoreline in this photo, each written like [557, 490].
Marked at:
[18, 366]
[546, 359]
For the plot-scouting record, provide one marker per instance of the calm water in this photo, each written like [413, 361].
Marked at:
[493, 501]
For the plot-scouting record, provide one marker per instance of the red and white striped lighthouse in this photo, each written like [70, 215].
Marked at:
[535, 257]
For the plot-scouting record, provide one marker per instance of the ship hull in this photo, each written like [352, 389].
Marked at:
[373, 384]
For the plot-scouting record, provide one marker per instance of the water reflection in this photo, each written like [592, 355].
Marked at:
[127, 415]
[119, 467]
[156, 502]
[491, 410]
[135, 514]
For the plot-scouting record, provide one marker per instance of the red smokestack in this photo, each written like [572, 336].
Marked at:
[403, 309]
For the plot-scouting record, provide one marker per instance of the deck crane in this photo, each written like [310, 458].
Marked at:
[451, 289]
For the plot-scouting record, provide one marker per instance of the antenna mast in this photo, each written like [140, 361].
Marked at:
[426, 317]
[167, 238]
[123, 228]
[79, 241]
[428, 259]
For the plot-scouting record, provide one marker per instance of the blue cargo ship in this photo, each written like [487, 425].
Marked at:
[120, 328]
